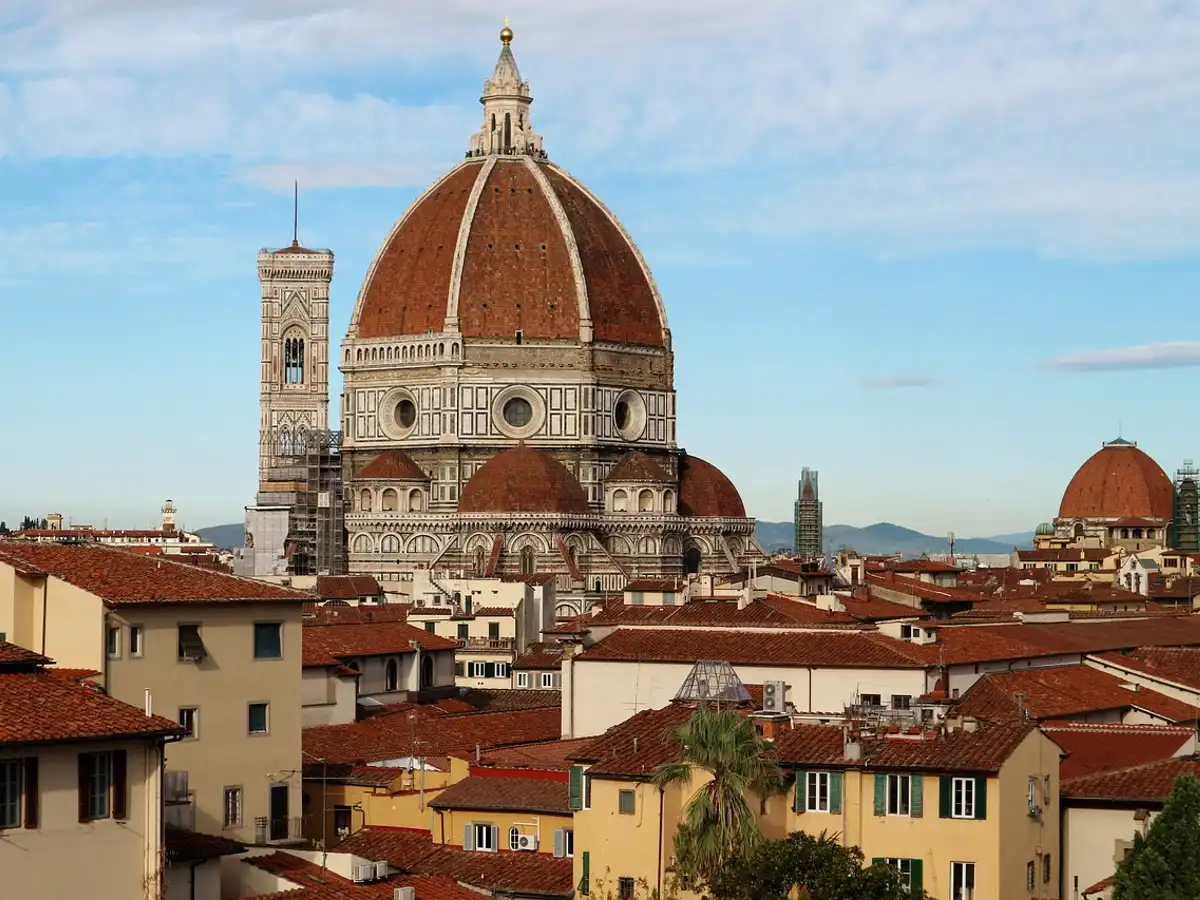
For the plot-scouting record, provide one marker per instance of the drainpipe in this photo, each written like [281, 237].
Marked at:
[192, 886]
[660, 841]
[45, 585]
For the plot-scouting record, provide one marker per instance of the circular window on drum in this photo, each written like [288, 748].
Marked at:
[518, 412]
[406, 413]
[629, 416]
[399, 413]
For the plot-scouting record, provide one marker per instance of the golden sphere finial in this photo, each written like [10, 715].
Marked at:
[506, 34]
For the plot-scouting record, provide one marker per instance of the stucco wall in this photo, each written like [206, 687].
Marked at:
[1092, 844]
[328, 698]
[449, 825]
[208, 881]
[74, 619]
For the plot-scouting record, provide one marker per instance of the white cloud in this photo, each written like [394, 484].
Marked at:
[895, 382]
[1069, 127]
[1168, 355]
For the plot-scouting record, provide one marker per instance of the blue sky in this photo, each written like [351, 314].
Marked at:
[938, 251]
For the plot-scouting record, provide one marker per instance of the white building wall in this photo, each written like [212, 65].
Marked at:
[207, 877]
[1171, 689]
[1093, 843]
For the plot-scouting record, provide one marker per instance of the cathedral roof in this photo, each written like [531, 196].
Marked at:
[393, 465]
[704, 490]
[637, 466]
[1118, 481]
[508, 242]
[522, 479]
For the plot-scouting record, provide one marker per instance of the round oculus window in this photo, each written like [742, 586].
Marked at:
[406, 413]
[518, 412]
[621, 414]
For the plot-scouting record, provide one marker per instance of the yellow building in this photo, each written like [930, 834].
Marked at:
[220, 655]
[80, 775]
[494, 811]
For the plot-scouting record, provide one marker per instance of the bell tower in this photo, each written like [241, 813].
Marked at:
[294, 381]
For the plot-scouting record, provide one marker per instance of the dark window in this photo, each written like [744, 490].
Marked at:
[391, 675]
[621, 414]
[431, 627]
[463, 631]
[190, 645]
[460, 669]
[872, 700]
[691, 561]
[626, 802]
[625, 888]
[901, 701]
[10, 793]
[233, 807]
[528, 561]
[342, 817]
[113, 643]
[189, 719]
[135, 640]
[101, 785]
[406, 413]
[1046, 868]
[293, 361]
[257, 718]
[494, 630]
[268, 640]
[518, 412]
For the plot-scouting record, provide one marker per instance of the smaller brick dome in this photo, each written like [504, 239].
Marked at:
[523, 480]
[1116, 482]
[393, 465]
[639, 467]
[704, 490]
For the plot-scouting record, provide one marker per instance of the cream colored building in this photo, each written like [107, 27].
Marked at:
[219, 654]
[80, 775]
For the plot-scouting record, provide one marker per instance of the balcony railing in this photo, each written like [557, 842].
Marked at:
[278, 831]
[481, 643]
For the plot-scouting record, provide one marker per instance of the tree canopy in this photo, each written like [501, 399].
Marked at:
[819, 867]
[1165, 863]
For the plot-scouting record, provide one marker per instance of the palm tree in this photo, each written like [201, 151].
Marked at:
[718, 821]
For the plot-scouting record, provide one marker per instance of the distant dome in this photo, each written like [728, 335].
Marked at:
[523, 480]
[1044, 529]
[1118, 481]
[704, 490]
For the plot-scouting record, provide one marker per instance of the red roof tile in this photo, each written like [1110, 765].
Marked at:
[635, 747]
[1102, 885]
[1062, 692]
[188, 846]
[982, 643]
[1178, 664]
[338, 614]
[876, 609]
[504, 700]
[549, 756]
[639, 467]
[773, 611]
[809, 648]
[921, 590]
[540, 656]
[347, 587]
[13, 655]
[491, 792]
[122, 578]
[328, 644]
[1066, 554]
[522, 479]
[366, 776]
[931, 566]
[1099, 748]
[392, 465]
[656, 585]
[314, 883]
[1147, 783]
[72, 674]
[38, 707]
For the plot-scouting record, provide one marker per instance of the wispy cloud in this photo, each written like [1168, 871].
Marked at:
[1168, 355]
[896, 382]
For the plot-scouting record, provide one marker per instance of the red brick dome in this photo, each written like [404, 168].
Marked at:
[1118, 481]
[523, 480]
[704, 490]
[507, 244]
[638, 466]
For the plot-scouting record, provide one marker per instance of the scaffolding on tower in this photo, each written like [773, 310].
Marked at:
[309, 482]
[1185, 516]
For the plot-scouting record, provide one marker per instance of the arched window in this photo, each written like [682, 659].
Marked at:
[364, 500]
[457, 599]
[286, 447]
[1078, 530]
[620, 501]
[416, 501]
[293, 360]
[389, 501]
[598, 586]
[514, 833]
[426, 672]
[508, 132]
[646, 501]
[668, 501]
[454, 351]
[389, 544]
[391, 676]
[1125, 533]
[1137, 534]
[362, 544]
[691, 560]
[480, 561]
[646, 546]
[528, 561]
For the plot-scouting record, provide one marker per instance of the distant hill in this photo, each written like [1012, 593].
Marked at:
[885, 538]
[224, 536]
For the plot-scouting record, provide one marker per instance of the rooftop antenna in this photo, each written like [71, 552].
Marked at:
[296, 213]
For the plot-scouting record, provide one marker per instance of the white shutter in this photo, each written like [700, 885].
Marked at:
[560, 849]
[469, 836]
[495, 838]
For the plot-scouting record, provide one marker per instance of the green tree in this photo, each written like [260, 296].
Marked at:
[817, 867]
[1165, 864]
[718, 822]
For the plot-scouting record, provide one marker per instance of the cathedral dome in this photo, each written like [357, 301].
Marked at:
[1118, 481]
[522, 479]
[704, 490]
[639, 467]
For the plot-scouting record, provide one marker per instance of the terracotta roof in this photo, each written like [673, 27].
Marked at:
[189, 846]
[1178, 664]
[1147, 783]
[484, 611]
[1062, 692]
[1118, 481]
[492, 792]
[656, 585]
[1100, 747]
[392, 465]
[924, 566]
[705, 491]
[981, 643]
[639, 467]
[773, 611]
[1065, 554]
[386, 737]
[540, 656]
[14, 656]
[72, 674]
[921, 590]
[876, 609]
[1102, 885]
[40, 708]
[635, 747]
[311, 882]
[121, 578]
[510, 873]
[341, 773]
[516, 270]
[347, 587]
[505, 699]
[337, 614]
[549, 756]
[958, 750]
[326, 645]
[522, 479]
[1174, 587]
[830, 649]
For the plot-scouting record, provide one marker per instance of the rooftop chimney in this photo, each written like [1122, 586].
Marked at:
[149, 703]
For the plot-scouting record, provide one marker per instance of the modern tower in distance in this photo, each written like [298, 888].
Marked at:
[810, 529]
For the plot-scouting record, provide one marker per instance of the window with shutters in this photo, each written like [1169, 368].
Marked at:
[10, 792]
[233, 807]
[1030, 875]
[501, 670]
[962, 881]
[625, 888]
[485, 837]
[962, 798]
[899, 795]
[905, 868]
[189, 718]
[190, 645]
[494, 631]
[626, 802]
[96, 784]
[817, 792]
[568, 838]
[1046, 868]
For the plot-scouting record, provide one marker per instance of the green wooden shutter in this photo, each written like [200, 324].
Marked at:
[877, 861]
[945, 796]
[981, 797]
[916, 879]
[798, 802]
[880, 794]
[489, 670]
[835, 792]
[585, 886]
[916, 804]
[575, 791]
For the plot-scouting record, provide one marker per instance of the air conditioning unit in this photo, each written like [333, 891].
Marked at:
[405, 893]
[343, 832]
[773, 696]
[361, 873]
[527, 842]
[381, 869]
